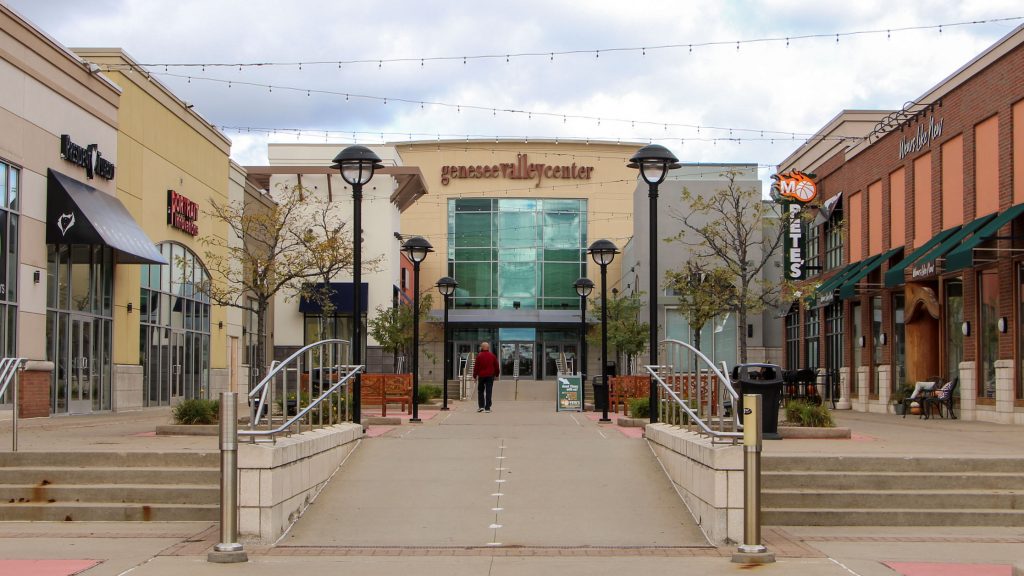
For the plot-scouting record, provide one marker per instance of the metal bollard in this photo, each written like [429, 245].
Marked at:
[752, 551]
[229, 550]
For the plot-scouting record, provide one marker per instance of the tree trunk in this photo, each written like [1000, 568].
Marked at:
[741, 332]
[259, 362]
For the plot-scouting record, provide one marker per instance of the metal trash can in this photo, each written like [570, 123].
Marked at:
[600, 393]
[766, 380]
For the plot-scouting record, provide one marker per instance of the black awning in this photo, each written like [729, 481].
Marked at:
[77, 213]
[340, 294]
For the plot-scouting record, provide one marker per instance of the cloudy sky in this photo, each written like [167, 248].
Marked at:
[646, 94]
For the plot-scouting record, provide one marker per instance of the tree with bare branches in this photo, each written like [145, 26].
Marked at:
[704, 293]
[735, 230]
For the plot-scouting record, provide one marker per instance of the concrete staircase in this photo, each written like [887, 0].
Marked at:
[109, 486]
[892, 491]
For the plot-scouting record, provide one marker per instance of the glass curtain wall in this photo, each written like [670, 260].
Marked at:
[717, 338]
[517, 253]
[174, 326]
[988, 331]
[78, 326]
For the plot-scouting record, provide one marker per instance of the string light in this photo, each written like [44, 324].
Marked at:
[642, 50]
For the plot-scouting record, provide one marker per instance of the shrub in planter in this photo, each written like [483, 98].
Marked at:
[196, 411]
[803, 413]
[640, 407]
[426, 392]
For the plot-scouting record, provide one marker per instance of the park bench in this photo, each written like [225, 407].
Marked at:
[383, 389]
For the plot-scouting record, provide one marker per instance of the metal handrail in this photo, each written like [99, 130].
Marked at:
[706, 412]
[9, 369]
[324, 357]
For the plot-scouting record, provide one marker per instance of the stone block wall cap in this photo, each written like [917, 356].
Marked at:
[39, 365]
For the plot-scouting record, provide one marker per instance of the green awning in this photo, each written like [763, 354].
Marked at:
[849, 287]
[894, 276]
[929, 263]
[963, 256]
[825, 293]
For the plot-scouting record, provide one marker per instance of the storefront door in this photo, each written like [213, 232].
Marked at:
[83, 378]
[551, 354]
[517, 360]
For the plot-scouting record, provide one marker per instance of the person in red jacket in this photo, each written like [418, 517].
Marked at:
[484, 370]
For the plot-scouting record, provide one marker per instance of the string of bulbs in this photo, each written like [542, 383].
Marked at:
[596, 52]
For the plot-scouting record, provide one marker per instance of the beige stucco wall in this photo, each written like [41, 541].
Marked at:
[163, 145]
[609, 191]
[47, 92]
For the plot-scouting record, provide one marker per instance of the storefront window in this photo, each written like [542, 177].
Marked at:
[954, 309]
[812, 251]
[834, 337]
[812, 339]
[834, 240]
[717, 338]
[517, 253]
[793, 338]
[1019, 388]
[988, 332]
[9, 189]
[876, 341]
[174, 327]
[858, 349]
[78, 327]
[899, 343]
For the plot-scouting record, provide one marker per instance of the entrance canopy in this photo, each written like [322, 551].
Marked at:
[825, 293]
[77, 213]
[894, 277]
[963, 256]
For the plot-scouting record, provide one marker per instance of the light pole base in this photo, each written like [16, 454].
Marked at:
[745, 556]
[415, 420]
[605, 420]
[443, 408]
[227, 554]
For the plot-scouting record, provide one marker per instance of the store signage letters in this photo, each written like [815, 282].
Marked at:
[88, 157]
[522, 169]
[182, 213]
[923, 271]
[922, 138]
[794, 244]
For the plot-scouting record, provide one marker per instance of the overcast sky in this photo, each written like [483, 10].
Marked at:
[763, 86]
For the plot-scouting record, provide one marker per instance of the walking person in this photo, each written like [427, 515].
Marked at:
[484, 370]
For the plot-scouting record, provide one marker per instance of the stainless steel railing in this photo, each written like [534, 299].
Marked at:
[692, 393]
[313, 382]
[10, 368]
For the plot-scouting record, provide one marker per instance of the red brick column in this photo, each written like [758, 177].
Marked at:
[34, 390]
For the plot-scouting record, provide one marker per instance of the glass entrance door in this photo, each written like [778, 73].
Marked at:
[83, 381]
[516, 360]
[551, 354]
[177, 366]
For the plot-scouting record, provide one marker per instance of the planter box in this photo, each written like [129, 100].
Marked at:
[804, 432]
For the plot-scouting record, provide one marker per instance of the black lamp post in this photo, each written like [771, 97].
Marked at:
[417, 248]
[603, 252]
[446, 286]
[584, 286]
[357, 164]
[654, 162]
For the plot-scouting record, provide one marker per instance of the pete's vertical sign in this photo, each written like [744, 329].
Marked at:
[794, 189]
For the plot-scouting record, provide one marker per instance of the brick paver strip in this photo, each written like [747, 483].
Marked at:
[46, 567]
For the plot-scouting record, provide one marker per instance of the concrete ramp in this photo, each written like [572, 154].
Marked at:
[522, 475]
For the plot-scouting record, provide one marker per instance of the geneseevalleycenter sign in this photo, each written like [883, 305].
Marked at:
[521, 169]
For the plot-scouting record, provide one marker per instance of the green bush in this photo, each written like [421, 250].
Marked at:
[426, 392]
[196, 411]
[640, 407]
[804, 413]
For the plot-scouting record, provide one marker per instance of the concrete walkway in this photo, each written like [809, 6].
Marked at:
[578, 497]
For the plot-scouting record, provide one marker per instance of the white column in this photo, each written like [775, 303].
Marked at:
[968, 392]
[844, 389]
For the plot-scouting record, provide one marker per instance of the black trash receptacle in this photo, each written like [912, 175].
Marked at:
[766, 380]
[600, 393]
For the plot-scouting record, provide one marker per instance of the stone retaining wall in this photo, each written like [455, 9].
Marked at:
[709, 477]
[278, 481]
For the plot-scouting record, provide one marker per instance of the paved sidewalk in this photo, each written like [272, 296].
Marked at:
[579, 498]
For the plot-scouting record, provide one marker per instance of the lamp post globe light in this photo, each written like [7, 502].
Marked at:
[357, 165]
[583, 286]
[654, 161]
[446, 286]
[603, 252]
[417, 248]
